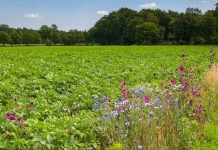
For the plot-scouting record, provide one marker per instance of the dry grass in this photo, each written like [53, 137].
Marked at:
[211, 77]
[211, 80]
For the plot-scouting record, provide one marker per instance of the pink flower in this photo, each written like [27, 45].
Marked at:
[193, 91]
[200, 107]
[173, 81]
[186, 86]
[181, 69]
[11, 116]
[30, 107]
[146, 99]
[190, 101]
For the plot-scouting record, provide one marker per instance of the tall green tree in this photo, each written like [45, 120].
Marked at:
[216, 15]
[186, 28]
[31, 37]
[130, 31]
[208, 26]
[147, 33]
[4, 38]
[45, 32]
[4, 27]
[15, 37]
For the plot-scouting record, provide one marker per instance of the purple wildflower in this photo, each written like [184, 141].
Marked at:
[174, 100]
[106, 115]
[134, 91]
[193, 91]
[181, 69]
[116, 106]
[200, 107]
[141, 90]
[95, 107]
[186, 86]
[156, 101]
[115, 114]
[31, 107]
[146, 99]
[11, 116]
[120, 98]
[95, 98]
[190, 101]
[126, 102]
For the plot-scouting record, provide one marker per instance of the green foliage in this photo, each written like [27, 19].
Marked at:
[16, 37]
[31, 37]
[4, 38]
[62, 81]
[115, 146]
[147, 34]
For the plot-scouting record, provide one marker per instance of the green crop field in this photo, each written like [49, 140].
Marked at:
[60, 83]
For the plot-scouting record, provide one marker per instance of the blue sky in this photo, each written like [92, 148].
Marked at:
[80, 14]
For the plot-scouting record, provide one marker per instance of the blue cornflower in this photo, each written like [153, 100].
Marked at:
[174, 101]
[95, 107]
[115, 114]
[105, 98]
[134, 91]
[100, 121]
[166, 101]
[106, 115]
[116, 106]
[127, 123]
[156, 101]
[95, 98]
[141, 90]
[125, 102]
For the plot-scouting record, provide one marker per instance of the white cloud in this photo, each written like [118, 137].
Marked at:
[102, 12]
[33, 15]
[148, 6]
[205, 1]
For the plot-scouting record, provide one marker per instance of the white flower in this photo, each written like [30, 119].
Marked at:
[140, 147]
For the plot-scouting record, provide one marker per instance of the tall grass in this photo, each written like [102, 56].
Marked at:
[211, 81]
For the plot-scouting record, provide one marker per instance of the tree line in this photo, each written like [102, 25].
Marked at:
[127, 27]
[45, 35]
